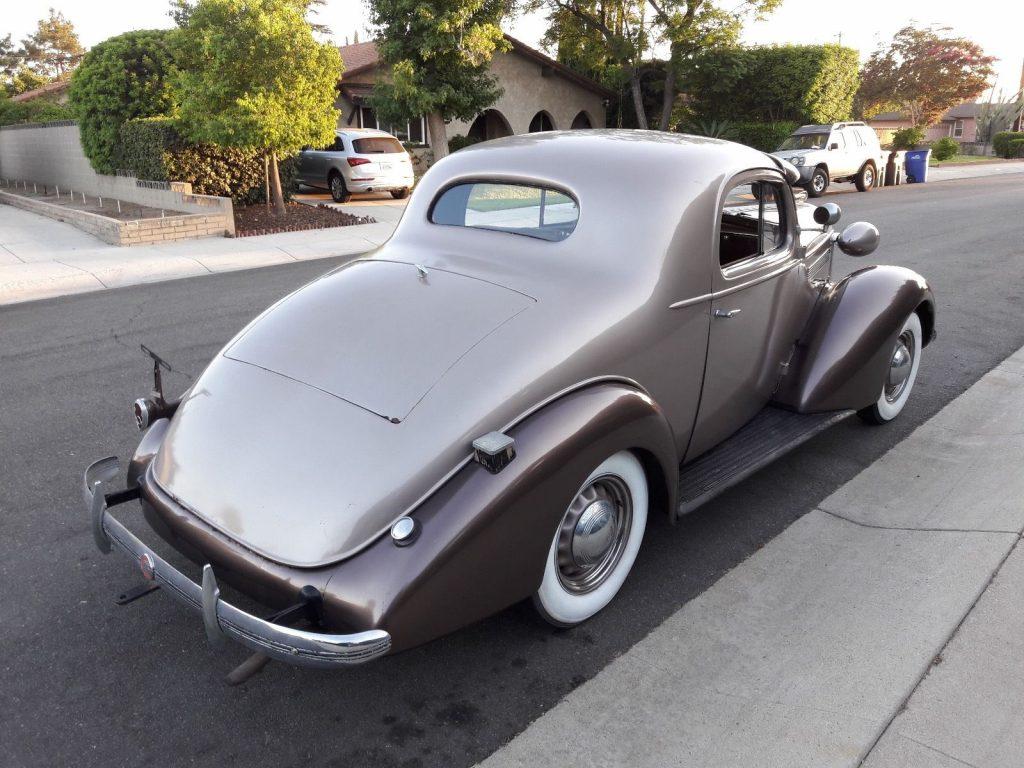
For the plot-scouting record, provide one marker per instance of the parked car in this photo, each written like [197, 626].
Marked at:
[836, 152]
[489, 407]
[359, 160]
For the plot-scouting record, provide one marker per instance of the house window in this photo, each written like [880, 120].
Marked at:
[958, 129]
[415, 131]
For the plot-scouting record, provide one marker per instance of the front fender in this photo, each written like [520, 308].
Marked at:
[485, 537]
[842, 359]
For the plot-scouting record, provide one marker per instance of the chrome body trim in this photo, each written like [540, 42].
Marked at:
[221, 618]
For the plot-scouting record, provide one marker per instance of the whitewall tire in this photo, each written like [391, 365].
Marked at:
[596, 543]
[904, 360]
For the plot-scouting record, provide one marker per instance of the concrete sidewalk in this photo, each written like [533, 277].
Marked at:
[974, 171]
[42, 258]
[813, 651]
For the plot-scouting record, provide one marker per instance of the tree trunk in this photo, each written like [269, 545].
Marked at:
[266, 179]
[438, 135]
[638, 98]
[668, 96]
[275, 186]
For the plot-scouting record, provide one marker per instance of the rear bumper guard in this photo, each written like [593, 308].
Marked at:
[221, 618]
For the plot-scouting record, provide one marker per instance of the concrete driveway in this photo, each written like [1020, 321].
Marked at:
[380, 205]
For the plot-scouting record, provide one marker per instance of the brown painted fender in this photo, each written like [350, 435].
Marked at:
[484, 538]
[842, 360]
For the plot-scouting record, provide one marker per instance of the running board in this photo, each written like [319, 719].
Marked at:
[769, 435]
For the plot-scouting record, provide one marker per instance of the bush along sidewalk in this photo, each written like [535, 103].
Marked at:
[153, 149]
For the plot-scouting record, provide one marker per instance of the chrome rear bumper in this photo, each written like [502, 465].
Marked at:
[221, 618]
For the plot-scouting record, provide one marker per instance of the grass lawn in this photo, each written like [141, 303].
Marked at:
[963, 159]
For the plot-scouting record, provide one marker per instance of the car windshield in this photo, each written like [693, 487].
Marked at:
[805, 141]
[376, 145]
[520, 209]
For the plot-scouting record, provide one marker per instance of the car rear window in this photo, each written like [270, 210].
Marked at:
[520, 209]
[376, 145]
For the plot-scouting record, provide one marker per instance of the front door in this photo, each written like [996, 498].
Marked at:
[762, 296]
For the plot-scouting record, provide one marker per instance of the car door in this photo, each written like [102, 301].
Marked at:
[842, 160]
[762, 295]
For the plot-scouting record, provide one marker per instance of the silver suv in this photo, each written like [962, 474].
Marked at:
[359, 160]
[836, 152]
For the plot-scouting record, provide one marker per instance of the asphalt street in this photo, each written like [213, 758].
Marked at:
[86, 682]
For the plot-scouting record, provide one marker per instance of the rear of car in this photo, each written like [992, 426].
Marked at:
[358, 161]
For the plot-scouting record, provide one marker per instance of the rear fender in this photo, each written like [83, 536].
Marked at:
[843, 357]
[485, 537]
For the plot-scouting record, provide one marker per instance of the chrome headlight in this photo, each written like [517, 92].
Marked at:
[797, 161]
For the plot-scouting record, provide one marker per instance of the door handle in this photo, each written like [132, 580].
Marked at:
[727, 313]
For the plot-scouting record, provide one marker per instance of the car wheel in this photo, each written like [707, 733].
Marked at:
[899, 381]
[818, 183]
[400, 194]
[866, 178]
[339, 192]
[596, 543]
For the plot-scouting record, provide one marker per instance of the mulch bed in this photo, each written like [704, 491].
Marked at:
[261, 219]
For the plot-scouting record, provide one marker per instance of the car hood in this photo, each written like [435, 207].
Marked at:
[302, 440]
[786, 153]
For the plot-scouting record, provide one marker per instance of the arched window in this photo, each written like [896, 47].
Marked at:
[542, 122]
[489, 124]
[582, 120]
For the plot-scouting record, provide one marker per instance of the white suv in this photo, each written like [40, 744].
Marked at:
[359, 160]
[836, 152]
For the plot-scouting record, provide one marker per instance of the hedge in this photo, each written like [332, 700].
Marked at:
[1015, 147]
[1001, 142]
[764, 136]
[124, 77]
[153, 149]
[36, 111]
[802, 83]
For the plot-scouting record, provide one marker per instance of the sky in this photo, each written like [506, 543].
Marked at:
[996, 24]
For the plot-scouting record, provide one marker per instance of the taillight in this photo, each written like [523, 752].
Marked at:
[354, 161]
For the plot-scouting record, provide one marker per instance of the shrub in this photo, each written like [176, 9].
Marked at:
[1001, 142]
[153, 149]
[764, 136]
[36, 111]
[907, 138]
[713, 129]
[805, 83]
[943, 149]
[122, 78]
[1015, 147]
[458, 141]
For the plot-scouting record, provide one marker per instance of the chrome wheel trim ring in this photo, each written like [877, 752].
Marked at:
[593, 534]
[900, 366]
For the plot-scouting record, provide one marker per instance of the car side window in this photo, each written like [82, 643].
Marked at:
[838, 138]
[753, 222]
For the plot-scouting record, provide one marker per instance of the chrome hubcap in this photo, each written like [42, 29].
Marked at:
[819, 183]
[593, 534]
[868, 177]
[900, 366]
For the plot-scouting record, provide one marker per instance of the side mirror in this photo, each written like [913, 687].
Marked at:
[827, 214]
[859, 239]
[833, 145]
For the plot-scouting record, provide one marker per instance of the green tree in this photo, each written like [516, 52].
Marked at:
[628, 27]
[122, 78]
[253, 76]
[54, 49]
[438, 52]
[803, 83]
[923, 72]
[10, 61]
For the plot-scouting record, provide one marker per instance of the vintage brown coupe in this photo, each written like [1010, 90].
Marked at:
[489, 406]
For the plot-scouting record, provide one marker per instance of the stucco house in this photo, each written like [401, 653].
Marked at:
[960, 123]
[539, 94]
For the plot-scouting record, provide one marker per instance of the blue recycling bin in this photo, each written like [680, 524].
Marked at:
[916, 164]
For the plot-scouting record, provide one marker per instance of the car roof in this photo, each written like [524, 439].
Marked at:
[828, 127]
